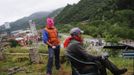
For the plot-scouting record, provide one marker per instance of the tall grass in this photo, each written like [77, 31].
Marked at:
[40, 69]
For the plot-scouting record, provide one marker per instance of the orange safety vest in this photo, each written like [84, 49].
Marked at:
[53, 36]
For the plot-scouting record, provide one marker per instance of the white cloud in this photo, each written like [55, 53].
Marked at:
[11, 10]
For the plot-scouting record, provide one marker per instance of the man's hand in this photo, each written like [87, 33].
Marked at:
[53, 47]
[104, 56]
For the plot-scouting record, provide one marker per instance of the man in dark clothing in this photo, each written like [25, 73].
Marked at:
[75, 49]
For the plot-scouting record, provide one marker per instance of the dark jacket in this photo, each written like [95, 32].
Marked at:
[76, 49]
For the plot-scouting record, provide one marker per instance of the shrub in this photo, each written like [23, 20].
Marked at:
[13, 43]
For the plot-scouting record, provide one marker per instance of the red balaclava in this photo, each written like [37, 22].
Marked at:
[50, 23]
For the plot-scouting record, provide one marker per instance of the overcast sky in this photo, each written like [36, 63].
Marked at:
[11, 10]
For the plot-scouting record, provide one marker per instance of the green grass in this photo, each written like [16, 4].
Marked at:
[11, 61]
[17, 49]
[42, 49]
[122, 63]
[40, 69]
[87, 36]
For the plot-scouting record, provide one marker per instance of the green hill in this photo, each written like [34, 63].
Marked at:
[114, 18]
[96, 10]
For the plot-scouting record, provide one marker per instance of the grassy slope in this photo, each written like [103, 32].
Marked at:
[39, 69]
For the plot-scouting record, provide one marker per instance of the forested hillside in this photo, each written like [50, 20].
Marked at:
[56, 12]
[108, 18]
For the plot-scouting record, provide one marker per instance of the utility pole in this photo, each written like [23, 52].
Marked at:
[7, 27]
[33, 51]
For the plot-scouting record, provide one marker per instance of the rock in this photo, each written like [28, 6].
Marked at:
[34, 56]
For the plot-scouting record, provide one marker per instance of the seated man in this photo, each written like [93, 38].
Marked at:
[75, 49]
